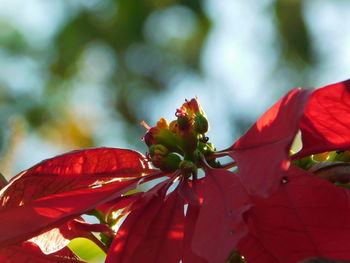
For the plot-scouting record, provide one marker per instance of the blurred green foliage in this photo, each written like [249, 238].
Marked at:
[134, 34]
[87, 250]
[129, 50]
[294, 34]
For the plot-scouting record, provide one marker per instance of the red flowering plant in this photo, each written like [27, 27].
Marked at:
[268, 204]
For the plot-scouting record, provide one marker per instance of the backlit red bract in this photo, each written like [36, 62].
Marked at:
[269, 210]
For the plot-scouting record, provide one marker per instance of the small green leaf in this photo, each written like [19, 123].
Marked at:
[87, 250]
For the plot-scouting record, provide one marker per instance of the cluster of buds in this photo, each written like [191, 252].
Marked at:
[181, 144]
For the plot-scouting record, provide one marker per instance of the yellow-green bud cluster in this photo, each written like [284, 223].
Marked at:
[180, 145]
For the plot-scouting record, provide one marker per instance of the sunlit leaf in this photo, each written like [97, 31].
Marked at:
[87, 250]
[23, 222]
[152, 233]
[28, 252]
[191, 217]
[71, 171]
[326, 121]
[307, 217]
[262, 152]
[221, 216]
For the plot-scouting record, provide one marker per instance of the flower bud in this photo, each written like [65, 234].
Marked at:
[150, 136]
[206, 148]
[167, 163]
[169, 139]
[185, 124]
[189, 143]
[174, 126]
[158, 149]
[201, 124]
[193, 107]
[180, 145]
[188, 168]
[163, 123]
[161, 134]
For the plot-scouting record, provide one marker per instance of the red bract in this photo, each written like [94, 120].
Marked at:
[326, 121]
[153, 231]
[267, 144]
[270, 210]
[47, 195]
[220, 217]
[29, 252]
[306, 217]
[52, 211]
[72, 171]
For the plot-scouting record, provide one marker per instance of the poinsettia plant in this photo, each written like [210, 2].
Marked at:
[266, 205]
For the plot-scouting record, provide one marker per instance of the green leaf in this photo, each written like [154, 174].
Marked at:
[87, 250]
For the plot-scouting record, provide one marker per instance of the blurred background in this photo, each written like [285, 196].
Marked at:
[84, 73]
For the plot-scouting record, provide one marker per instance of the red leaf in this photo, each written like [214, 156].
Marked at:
[57, 238]
[163, 242]
[132, 231]
[23, 222]
[306, 217]
[152, 233]
[187, 193]
[255, 251]
[220, 224]
[53, 240]
[267, 144]
[326, 122]
[28, 252]
[72, 171]
[119, 203]
[81, 228]
[190, 221]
